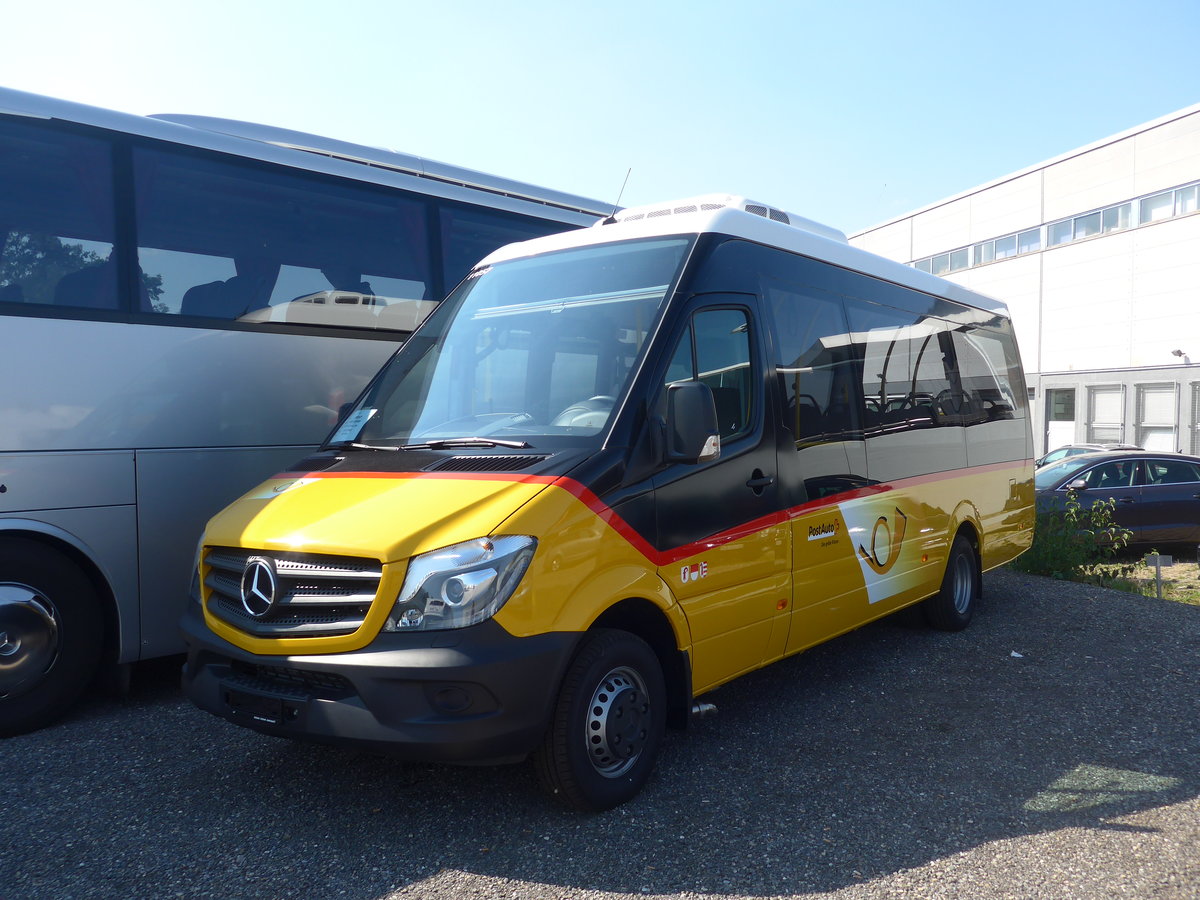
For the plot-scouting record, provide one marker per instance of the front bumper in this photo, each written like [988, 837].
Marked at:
[476, 695]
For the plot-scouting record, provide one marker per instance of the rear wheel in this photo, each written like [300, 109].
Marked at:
[51, 634]
[608, 723]
[951, 608]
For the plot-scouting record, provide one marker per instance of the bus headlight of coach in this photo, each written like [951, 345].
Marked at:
[460, 585]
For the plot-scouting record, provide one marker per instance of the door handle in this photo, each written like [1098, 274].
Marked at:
[759, 482]
[1124, 499]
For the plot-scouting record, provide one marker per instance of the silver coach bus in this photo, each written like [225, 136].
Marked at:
[185, 305]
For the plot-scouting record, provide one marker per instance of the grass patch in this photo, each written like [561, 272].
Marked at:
[1085, 545]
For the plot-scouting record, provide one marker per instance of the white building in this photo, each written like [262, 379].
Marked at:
[1097, 253]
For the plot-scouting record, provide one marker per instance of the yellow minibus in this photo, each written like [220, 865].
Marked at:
[613, 470]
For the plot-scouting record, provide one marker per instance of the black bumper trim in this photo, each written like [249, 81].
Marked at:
[477, 695]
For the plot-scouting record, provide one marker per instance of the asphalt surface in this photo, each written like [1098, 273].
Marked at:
[1051, 751]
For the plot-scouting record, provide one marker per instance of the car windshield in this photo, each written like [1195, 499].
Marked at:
[1050, 475]
[532, 351]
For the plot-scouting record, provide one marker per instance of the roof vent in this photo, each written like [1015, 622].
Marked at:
[715, 202]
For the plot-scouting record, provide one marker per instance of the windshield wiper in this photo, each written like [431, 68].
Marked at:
[443, 443]
[354, 445]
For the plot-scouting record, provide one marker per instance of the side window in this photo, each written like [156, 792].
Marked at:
[468, 235]
[908, 370]
[1110, 475]
[56, 219]
[815, 359]
[989, 377]
[224, 241]
[1171, 472]
[715, 349]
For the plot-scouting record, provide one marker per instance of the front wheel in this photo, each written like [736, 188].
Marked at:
[608, 723]
[51, 631]
[951, 608]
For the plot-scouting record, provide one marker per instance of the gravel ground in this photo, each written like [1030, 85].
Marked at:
[1049, 751]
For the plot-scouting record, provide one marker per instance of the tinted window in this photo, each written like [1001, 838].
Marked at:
[716, 351]
[468, 235]
[814, 358]
[906, 363]
[56, 219]
[1110, 475]
[1170, 472]
[237, 242]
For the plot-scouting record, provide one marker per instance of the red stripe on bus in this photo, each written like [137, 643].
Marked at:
[660, 558]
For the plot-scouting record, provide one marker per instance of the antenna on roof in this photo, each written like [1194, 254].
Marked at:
[612, 217]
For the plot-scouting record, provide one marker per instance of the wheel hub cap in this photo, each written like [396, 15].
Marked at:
[617, 722]
[29, 638]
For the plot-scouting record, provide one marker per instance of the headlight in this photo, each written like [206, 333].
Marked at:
[460, 585]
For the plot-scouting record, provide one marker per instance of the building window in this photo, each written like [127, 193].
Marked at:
[1156, 416]
[1059, 233]
[1087, 226]
[1106, 414]
[1186, 200]
[1157, 207]
[1060, 404]
[1152, 208]
[1117, 218]
[1006, 247]
[1029, 241]
[1195, 422]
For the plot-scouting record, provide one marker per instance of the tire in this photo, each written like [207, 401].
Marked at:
[951, 608]
[51, 635]
[607, 725]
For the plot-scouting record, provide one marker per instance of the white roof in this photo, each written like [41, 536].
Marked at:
[738, 217]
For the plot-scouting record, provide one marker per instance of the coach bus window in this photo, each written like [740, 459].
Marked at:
[468, 235]
[238, 243]
[56, 219]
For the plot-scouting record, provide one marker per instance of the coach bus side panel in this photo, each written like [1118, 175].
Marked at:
[178, 491]
[83, 500]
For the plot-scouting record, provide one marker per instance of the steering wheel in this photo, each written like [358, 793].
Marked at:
[590, 413]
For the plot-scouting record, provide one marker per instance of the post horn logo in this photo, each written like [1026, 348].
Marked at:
[885, 543]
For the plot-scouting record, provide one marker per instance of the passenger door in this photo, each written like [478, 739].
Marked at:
[1114, 480]
[725, 544]
[1168, 505]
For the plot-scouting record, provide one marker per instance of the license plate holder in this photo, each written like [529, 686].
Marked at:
[258, 707]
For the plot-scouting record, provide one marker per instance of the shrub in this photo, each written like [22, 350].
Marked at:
[1076, 543]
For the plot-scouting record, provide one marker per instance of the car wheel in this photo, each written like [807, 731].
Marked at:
[607, 725]
[51, 634]
[951, 608]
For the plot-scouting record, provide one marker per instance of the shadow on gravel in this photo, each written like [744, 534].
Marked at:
[1062, 706]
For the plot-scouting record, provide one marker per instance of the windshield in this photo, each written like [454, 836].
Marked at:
[1048, 476]
[528, 351]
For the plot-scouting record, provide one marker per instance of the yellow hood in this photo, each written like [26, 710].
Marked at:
[389, 517]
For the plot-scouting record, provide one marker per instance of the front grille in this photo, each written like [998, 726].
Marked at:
[318, 595]
[280, 680]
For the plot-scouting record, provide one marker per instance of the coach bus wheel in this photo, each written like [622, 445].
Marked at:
[608, 723]
[950, 609]
[50, 635]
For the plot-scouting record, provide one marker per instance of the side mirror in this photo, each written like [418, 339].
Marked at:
[692, 434]
[1079, 484]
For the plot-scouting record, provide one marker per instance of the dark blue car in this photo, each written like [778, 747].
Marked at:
[1157, 494]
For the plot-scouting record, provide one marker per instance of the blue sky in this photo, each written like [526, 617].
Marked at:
[848, 113]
